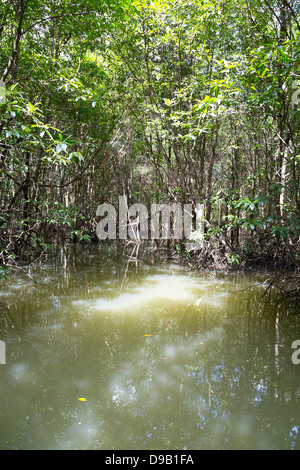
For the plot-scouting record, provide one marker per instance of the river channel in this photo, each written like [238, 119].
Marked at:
[112, 352]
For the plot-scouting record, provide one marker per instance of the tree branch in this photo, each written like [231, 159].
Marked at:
[63, 15]
[17, 39]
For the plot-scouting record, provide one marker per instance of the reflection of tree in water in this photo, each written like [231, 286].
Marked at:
[217, 373]
[238, 389]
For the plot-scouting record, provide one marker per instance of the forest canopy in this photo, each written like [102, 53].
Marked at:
[163, 101]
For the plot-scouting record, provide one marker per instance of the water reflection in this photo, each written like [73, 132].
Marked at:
[155, 288]
[165, 360]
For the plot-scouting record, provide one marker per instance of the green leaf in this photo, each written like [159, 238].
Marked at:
[76, 157]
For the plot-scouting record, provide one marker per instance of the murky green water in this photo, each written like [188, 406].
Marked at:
[165, 359]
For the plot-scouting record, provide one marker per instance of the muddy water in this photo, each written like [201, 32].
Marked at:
[160, 357]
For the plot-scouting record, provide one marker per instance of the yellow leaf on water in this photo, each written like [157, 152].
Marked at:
[147, 335]
[81, 399]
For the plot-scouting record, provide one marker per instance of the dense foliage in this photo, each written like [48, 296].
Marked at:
[165, 100]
